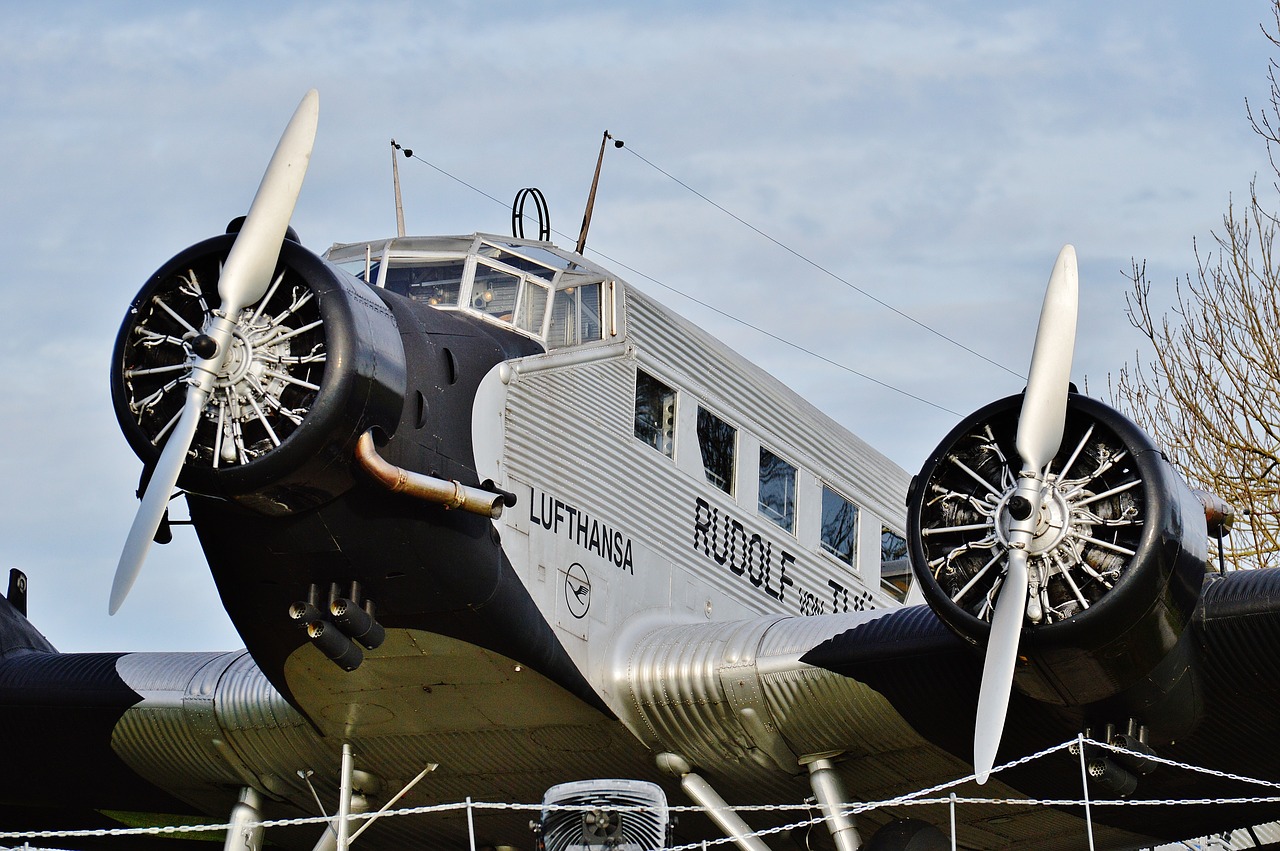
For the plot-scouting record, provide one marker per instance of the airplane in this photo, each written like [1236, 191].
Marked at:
[491, 519]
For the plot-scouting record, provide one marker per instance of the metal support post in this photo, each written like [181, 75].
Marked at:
[717, 808]
[329, 839]
[344, 797]
[830, 793]
[244, 834]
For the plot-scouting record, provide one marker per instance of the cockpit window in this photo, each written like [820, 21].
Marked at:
[575, 316]
[532, 310]
[508, 297]
[534, 288]
[354, 266]
[436, 282]
[526, 258]
[494, 292]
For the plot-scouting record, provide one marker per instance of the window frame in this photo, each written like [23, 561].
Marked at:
[852, 560]
[730, 487]
[791, 510]
[663, 436]
[890, 588]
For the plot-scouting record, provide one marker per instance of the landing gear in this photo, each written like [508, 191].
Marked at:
[245, 834]
[716, 808]
[829, 791]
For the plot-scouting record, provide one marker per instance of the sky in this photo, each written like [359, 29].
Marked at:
[898, 179]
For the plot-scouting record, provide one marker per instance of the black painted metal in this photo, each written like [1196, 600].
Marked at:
[303, 514]
[931, 678]
[363, 384]
[1128, 646]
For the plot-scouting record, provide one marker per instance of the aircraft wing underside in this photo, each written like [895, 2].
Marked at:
[931, 678]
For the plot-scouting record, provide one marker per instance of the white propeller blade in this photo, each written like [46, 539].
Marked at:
[1040, 427]
[247, 272]
[156, 498]
[244, 280]
[1044, 407]
[997, 670]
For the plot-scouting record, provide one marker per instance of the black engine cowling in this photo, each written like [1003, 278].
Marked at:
[1118, 557]
[313, 365]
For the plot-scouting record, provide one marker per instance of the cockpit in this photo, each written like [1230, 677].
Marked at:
[551, 295]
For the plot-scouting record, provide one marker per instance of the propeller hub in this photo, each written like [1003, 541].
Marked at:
[241, 360]
[203, 346]
[1019, 507]
[1052, 520]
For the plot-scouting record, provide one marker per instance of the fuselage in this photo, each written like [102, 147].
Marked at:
[660, 481]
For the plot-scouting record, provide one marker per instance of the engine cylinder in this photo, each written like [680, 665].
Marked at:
[1116, 564]
[312, 365]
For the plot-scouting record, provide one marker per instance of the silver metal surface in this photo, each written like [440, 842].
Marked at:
[344, 798]
[244, 834]
[707, 692]
[831, 796]
[700, 791]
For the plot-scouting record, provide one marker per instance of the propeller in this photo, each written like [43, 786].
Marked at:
[244, 280]
[1040, 427]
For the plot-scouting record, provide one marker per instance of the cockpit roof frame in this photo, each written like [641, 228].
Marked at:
[569, 271]
[444, 246]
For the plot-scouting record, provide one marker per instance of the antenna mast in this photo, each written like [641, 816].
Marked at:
[395, 179]
[591, 198]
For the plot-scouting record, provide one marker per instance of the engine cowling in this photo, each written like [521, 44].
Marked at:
[1116, 563]
[314, 364]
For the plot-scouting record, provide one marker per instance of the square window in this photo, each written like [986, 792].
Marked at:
[777, 490]
[436, 282]
[532, 308]
[718, 441]
[655, 413]
[895, 567]
[494, 292]
[575, 316]
[839, 526]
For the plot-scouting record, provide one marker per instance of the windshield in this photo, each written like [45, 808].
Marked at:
[435, 282]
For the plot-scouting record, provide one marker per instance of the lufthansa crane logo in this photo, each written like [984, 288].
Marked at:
[577, 590]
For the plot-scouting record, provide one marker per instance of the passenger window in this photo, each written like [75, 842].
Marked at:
[895, 567]
[777, 490]
[839, 526]
[717, 440]
[655, 413]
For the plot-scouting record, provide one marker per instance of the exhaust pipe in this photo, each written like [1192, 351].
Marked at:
[357, 623]
[450, 494]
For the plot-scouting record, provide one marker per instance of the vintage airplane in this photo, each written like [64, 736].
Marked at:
[476, 502]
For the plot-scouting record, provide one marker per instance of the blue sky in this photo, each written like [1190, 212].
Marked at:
[936, 155]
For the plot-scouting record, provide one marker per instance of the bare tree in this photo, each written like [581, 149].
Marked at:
[1210, 392]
